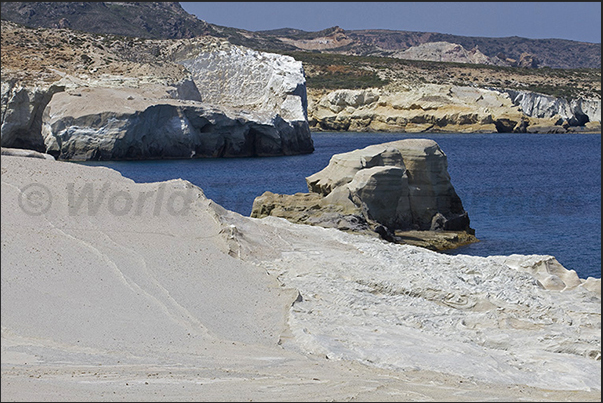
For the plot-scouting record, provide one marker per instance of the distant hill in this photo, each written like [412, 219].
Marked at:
[554, 53]
[168, 20]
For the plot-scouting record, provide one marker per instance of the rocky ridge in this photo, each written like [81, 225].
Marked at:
[510, 51]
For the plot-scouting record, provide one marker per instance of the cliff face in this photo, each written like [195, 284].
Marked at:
[152, 99]
[22, 109]
[449, 109]
[576, 112]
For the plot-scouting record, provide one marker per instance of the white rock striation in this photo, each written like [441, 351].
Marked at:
[577, 111]
[246, 79]
[512, 319]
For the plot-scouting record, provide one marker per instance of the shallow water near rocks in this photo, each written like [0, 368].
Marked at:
[525, 193]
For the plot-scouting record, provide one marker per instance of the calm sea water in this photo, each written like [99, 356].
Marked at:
[525, 193]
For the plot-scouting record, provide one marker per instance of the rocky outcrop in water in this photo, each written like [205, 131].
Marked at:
[387, 189]
[115, 124]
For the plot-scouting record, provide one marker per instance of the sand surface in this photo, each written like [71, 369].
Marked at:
[117, 291]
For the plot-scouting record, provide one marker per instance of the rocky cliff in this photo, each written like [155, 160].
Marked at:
[576, 112]
[388, 189]
[149, 99]
[449, 109]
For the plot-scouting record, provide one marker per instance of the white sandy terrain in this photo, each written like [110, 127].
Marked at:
[118, 291]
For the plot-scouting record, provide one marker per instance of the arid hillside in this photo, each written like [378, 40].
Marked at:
[168, 20]
[39, 52]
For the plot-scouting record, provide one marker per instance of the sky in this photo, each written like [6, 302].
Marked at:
[578, 21]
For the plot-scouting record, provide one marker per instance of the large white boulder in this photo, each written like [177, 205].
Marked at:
[246, 79]
[423, 184]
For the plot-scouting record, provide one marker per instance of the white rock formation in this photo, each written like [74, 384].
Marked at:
[22, 109]
[402, 184]
[250, 80]
[239, 102]
[128, 123]
[577, 112]
[397, 186]
[384, 194]
[171, 290]
[343, 167]
[446, 52]
[502, 318]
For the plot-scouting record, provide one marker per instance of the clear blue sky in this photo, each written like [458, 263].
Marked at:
[578, 21]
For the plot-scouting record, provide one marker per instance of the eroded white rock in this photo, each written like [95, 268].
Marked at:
[233, 102]
[410, 187]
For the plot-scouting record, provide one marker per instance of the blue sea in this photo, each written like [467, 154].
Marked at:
[525, 193]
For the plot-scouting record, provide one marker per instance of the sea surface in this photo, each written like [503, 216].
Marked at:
[525, 193]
